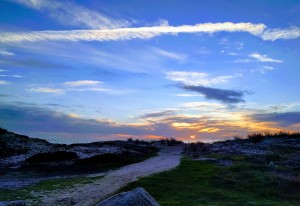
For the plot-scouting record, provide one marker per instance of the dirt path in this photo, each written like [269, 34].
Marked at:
[90, 194]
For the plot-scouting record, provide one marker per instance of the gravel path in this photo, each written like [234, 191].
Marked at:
[90, 194]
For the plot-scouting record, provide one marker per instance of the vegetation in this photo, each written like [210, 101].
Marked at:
[257, 137]
[26, 193]
[170, 141]
[52, 157]
[3, 131]
[206, 183]
[110, 161]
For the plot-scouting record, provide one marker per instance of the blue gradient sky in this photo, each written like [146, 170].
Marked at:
[81, 71]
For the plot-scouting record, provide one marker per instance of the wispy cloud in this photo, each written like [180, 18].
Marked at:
[284, 118]
[3, 52]
[275, 34]
[264, 58]
[130, 33]
[197, 78]
[115, 33]
[82, 83]
[69, 13]
[159, 114]
[171, 55]
[263, 69]
[77, 86]
[188, 95]
[3, 82]
[14, 76]
[46, 90]
[224, 95]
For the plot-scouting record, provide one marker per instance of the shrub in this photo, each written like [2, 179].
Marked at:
[3, 131]
[257, 137]
[52, 157]
[170, 141]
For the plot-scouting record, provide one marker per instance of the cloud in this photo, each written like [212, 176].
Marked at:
[82, 83]
[32, 119]
[46, 90]
[224, 95]
[264, 58]
[283, 119]
[6, 95]
[129, 33]
[205, 105]
[188, 95]
[158, 114]
[69, 13]
[263, 69]
[3, 82]
[275, 34]
[39, 119]
[78, 86]
[171, 55]
[196, 78]
[14, 76]
[6, 53]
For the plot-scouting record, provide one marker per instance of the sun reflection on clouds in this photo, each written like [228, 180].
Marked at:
[209, 130]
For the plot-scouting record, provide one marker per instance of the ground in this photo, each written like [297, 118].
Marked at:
[93, 189]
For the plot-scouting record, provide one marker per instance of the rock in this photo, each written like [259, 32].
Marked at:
[136, 197]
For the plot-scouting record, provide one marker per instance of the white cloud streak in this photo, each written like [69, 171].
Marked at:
[196, 78]
[264, 58]
[129, 33]
[69, 13]
[15, 76]
[82, 83]
[5, 53]
[275, 34]
[114, 32]
[46, 90]
[3, 82]
[171, 55]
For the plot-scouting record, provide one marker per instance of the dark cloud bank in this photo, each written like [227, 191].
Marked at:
[224, 95]
[284, 119]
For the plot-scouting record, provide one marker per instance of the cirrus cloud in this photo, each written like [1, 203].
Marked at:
[196, 78]
[129, 33]
[82, 83]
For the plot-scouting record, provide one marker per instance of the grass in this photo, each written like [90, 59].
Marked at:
[257, 137]
[44, 186]
[203, 183]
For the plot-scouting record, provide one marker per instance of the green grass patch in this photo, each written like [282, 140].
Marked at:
[204, 183]
[44, 186]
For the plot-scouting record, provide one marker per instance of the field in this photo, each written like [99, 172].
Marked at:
[197, 182]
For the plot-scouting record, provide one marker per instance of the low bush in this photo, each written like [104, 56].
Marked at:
[3, 131]
[52, 157]
[257, 137]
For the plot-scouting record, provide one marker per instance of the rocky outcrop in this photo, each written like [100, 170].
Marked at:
[136, 197]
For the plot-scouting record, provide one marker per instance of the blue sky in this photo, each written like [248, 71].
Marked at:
[82, 71]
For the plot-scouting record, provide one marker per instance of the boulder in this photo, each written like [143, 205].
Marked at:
[137, 197]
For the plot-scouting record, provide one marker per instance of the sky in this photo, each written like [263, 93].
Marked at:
[93, 70]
